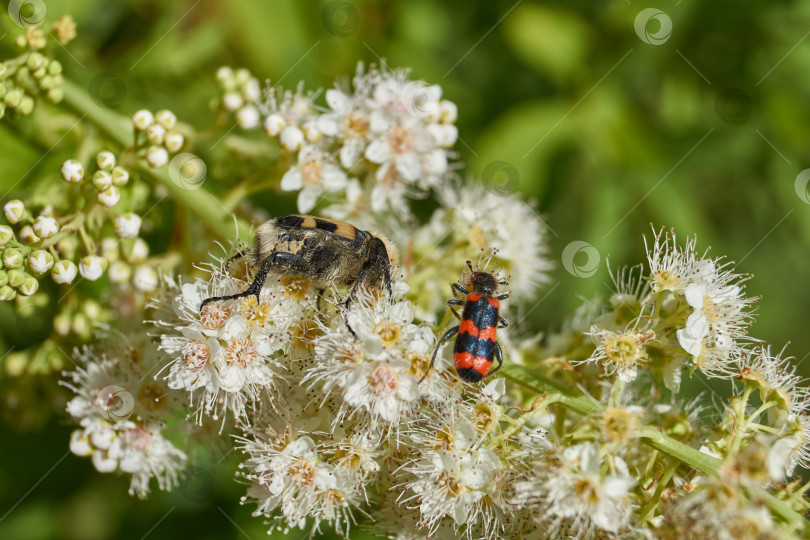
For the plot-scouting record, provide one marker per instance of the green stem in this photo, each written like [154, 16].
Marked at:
[119, 129]
[650, 435]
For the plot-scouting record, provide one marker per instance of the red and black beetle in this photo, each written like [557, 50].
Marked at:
[476, 345]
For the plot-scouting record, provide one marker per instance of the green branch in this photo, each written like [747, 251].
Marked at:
[650, 435]
[119, 128]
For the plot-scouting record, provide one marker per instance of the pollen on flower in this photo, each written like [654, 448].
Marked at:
[400, 139]
[214, 315]
[389, 333]
[240, 352]
[383, 381]
[196, 354]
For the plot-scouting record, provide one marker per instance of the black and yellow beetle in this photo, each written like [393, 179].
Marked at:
[325, 251]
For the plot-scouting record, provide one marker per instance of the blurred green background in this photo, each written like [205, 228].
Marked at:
[599, 112]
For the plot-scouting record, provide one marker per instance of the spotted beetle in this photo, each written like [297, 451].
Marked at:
[325, 251]
[476, 345]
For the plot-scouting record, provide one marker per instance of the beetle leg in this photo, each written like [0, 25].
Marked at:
[503, 322]
[447, 335]
[498, 357]
[320, 292]
[459, 289]
[451, 303]
[254, 289]
[502, 296]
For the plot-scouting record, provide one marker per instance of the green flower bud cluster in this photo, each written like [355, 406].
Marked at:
[158, 134]
[27, 77]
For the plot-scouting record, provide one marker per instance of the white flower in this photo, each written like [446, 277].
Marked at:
[142, 119]
[128, 225]
[14, 211]
[109, 197]
[72, 171]
[40, 261]
[719, 319]
[583, 497]
[227, 356]
[313, 175]
[671, 266]
[619, 352]
[378, 372]
[64, 271]
[157, 156]
[139, 251]
[292, 481]
[232, 101]
[92, 267]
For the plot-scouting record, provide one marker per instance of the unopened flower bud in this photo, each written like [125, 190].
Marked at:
[3, 278]
[102, 180]
[157, 156]
[12, 258]
[120, 272]
[14, 211]
[173, 141]
[448, 112]
[105, 160]
[40, 261]
[7, 293]
[13, 98]
[36, 61]
[109, 248]
[142, 119]
[61, 323]
[120, 176]
[6, 234]
[273, 125]
[64, 271]
[26, 106]
[155, 134]
[225, 75]
[56, 94]
[45, 226]
[92, 267]
[16, 277]
[232, 101]
[248, 117]
[110, 196]
[139, 251]
[72, 171]
[145, 279]
[166, 118]
[29, 286]
[291, 138]
[27, 235]
[128, 225]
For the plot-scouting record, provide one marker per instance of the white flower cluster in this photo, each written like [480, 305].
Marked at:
[122, 412]
[382, 140]
[227, 357]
